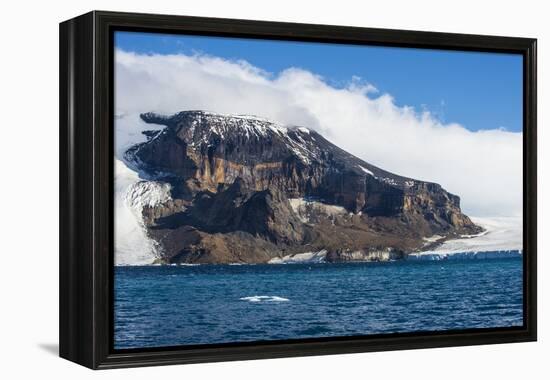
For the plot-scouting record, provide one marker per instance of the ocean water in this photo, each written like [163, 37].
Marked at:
[158, 306]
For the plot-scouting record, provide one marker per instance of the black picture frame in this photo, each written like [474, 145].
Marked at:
[86, 188]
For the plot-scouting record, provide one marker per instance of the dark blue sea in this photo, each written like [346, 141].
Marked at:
[158, 306]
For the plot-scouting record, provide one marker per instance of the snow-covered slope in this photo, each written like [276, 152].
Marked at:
[501, 234]
[204, 127]
[503, 237]
[132, 245]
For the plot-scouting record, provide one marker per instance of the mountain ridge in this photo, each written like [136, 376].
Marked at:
[245, 189]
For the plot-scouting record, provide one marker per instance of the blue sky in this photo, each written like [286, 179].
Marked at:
[477, 90]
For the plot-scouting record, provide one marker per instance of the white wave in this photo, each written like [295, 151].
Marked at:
[264, 299]
[306, 257]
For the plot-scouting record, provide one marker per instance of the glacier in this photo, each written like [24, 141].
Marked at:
[132, 245]
[503, 237]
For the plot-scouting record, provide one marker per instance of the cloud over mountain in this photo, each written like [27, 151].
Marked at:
[484, 168]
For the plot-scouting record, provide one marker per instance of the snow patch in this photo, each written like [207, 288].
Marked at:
[222, 124]
[302, 207]
[306, 257]
[366, 170]
[389, 181]
[235, 116]
[432, 239]
[147, 193]
[251, 127]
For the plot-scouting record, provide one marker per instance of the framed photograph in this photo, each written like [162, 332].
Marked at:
[235, 189]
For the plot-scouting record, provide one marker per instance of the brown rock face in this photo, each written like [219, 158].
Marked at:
[235, 182]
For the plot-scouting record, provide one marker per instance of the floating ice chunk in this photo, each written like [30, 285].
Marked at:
[264, 299]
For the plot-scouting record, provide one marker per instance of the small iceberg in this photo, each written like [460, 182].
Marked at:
[264, 299]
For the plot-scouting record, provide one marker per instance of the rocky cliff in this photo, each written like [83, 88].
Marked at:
[245, 189]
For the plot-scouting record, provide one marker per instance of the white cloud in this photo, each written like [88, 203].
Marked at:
[484, 168]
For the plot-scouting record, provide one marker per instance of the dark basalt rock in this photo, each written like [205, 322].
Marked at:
[232, 178]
